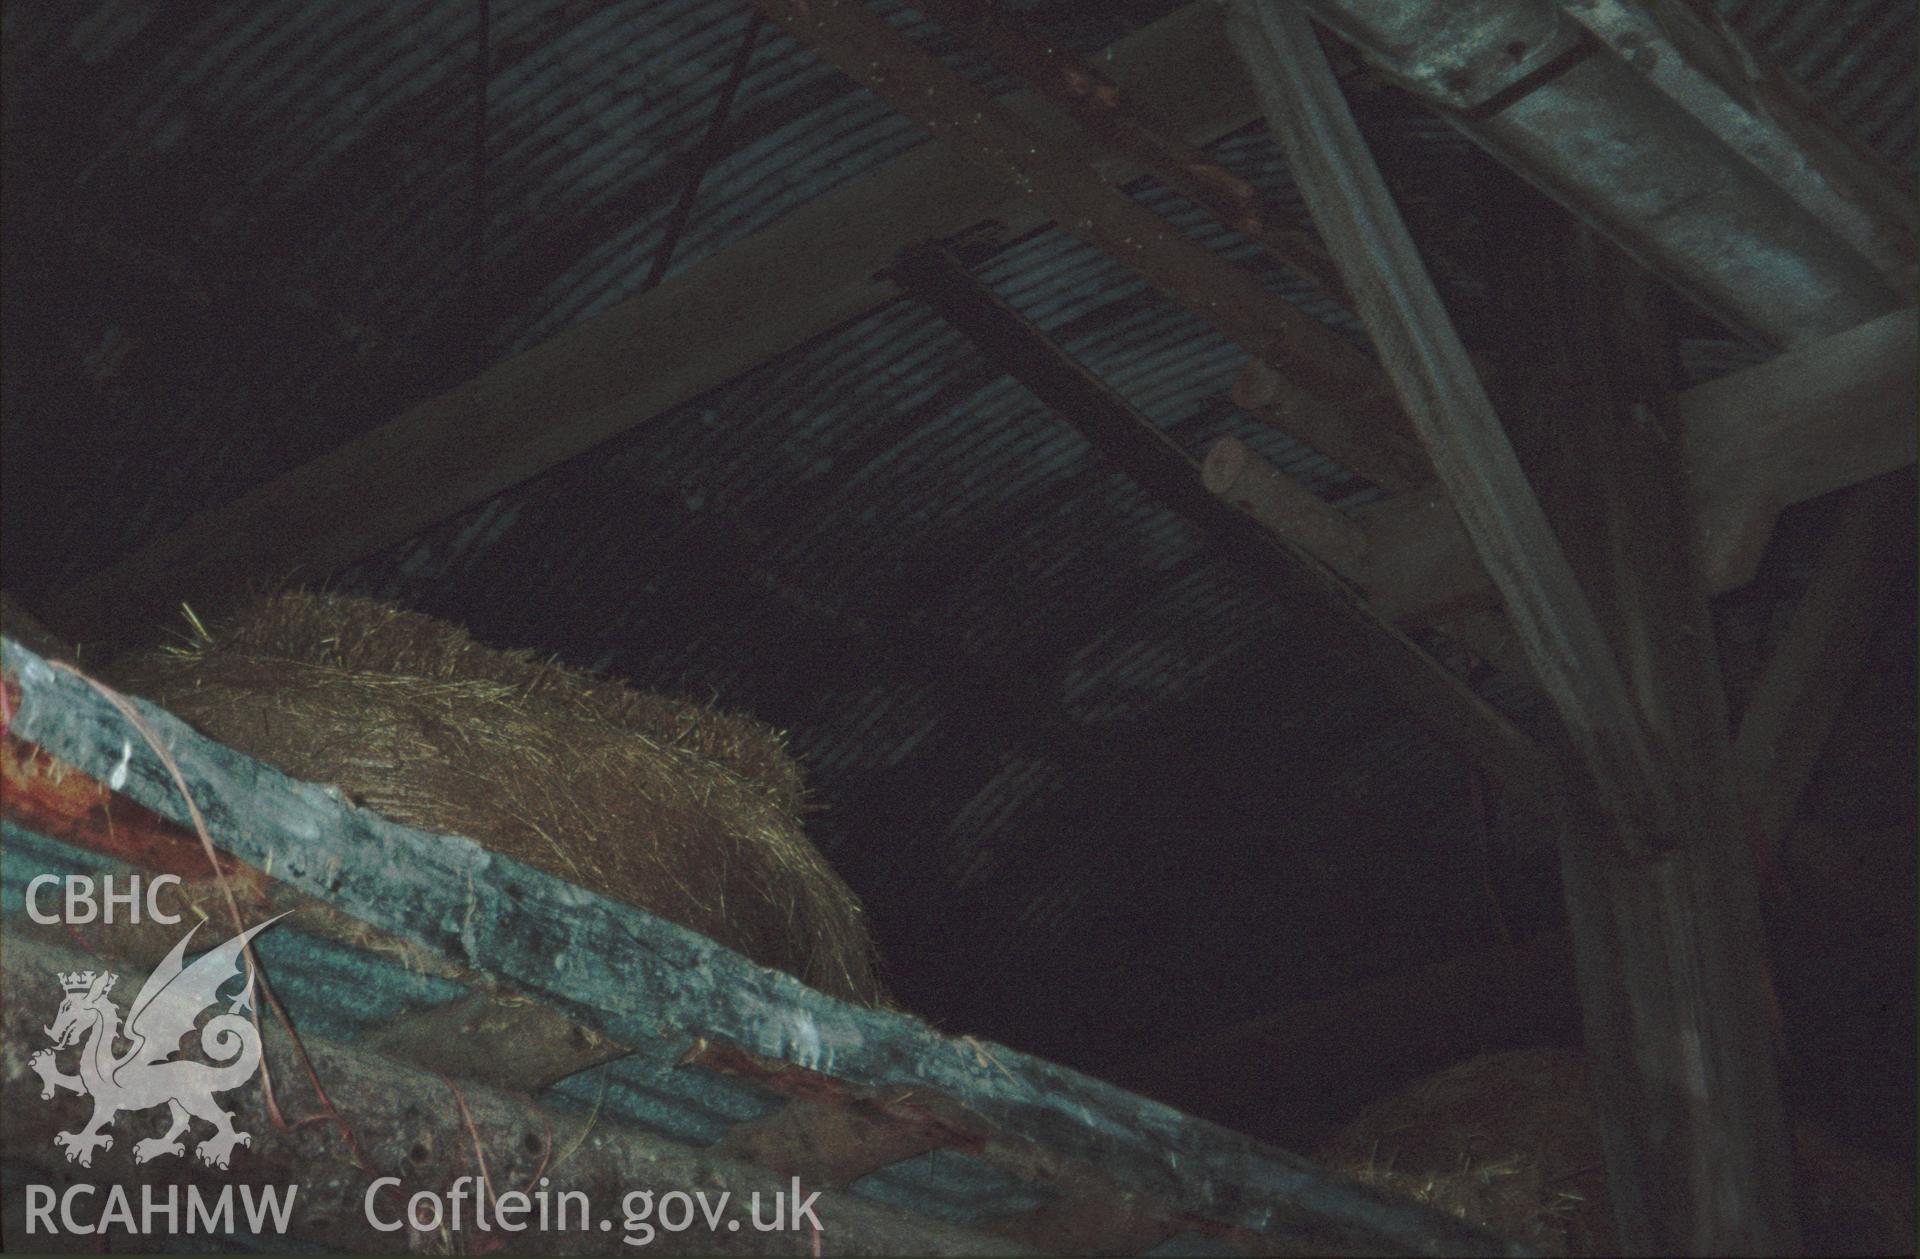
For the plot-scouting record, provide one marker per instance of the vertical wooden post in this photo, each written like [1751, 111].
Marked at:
[1660, 884]
[1670, 952]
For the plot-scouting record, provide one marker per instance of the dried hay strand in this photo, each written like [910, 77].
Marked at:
[1511, 1142]
[668, 804]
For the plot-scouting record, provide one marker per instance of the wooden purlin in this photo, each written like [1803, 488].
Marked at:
[761, 297]
[1104, 108]
[1320, 372]
[529, 413]
[1445, 703]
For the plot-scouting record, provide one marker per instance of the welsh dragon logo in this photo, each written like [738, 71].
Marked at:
[147, 1074]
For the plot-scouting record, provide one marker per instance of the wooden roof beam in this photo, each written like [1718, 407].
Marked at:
[1818, 418]
[1450, 410]
[1836, 412]
[1660, 887]
[1319, 373]
[1105, 110]
[760, 297]
[1445, 703]
[1814, 420]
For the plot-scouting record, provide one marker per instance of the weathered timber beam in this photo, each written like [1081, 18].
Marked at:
[1104, 109]
[831, 1145]
[1814, 420]
[642, 981]
[1689, 175]
[1678, 1010]
[1660, 887]
[1089, 1214]
[1289, 510]
[1670, 952]
[1283, 506]
[759, 298]
[1394, 460]
[1794, 708]
[1811, 421]
[1696, 58]
[1450, 411]
[1319, 371]
[409, 1123]
[1163, 470]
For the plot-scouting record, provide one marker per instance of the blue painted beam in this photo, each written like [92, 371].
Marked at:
[644, 980]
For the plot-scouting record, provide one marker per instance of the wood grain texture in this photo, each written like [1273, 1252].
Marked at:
[1605, 599]
[645, 981]
[1450, 411]
[1670, 951]
[407, 1121]
[1814, 420]
[1238, 475]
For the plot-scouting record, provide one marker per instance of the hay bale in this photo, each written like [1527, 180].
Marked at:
[1511, 1141]
[1507, 1141]
[664, 803]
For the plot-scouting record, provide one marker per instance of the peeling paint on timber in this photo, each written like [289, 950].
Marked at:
[639, 978]
[45, 795]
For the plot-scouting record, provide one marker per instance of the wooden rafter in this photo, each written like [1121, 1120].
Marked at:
[1660, 887]
[1448, 406]
[1151, 459]
[800, 277]
[1321, 373]
[1104, 109]
[1813, 420]
[765, 295]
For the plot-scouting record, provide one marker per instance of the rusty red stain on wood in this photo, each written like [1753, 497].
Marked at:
[46, 795]
[928, 1116]
[815, 1144]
